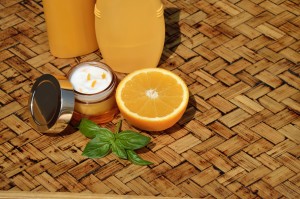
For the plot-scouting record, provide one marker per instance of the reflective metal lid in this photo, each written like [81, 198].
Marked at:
[51, 104]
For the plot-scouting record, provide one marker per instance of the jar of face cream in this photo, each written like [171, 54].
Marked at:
[94, 85]
[88, 91]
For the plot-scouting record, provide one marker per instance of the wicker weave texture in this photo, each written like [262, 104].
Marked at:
[240, 135]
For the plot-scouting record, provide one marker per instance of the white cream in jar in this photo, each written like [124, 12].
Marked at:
[94, 86]
[90, 79]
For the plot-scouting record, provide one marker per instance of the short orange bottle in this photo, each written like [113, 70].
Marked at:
[130, 33]
[70, 27]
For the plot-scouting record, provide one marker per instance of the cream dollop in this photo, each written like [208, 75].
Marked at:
[89, 79]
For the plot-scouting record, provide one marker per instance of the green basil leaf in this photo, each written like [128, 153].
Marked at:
[118, 150]
[106, 135]
[131, 140]
[96, 148]
[88, 128]
[91, 129]
[136, 159]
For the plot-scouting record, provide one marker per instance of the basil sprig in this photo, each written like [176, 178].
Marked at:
[121, 143]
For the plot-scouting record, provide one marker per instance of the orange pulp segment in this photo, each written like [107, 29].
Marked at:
[152, 99]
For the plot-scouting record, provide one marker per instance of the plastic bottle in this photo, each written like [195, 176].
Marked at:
[70, 27]
[130, 33]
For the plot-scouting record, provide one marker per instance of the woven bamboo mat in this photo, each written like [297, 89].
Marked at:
[239, 138]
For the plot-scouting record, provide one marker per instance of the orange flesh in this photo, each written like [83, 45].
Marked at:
[164, 94]
[88, 77]
[93, 83]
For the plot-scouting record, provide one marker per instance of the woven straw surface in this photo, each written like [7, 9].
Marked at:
[239, 137]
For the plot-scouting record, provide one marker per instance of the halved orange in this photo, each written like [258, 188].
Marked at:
[152, 99]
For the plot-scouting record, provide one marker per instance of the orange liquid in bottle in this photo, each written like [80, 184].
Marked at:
[70, 27]
[130, 33]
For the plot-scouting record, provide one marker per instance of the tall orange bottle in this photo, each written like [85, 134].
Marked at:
[130, 33]
[70, 27]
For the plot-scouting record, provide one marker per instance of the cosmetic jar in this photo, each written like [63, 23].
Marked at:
[94, 85]
[88, 91]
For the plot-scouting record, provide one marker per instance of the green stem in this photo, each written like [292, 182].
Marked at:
[118, 127]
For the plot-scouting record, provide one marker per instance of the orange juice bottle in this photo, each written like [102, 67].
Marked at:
[70, 27]
[130, 33]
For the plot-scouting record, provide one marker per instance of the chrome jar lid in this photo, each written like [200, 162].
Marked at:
[51, 104]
